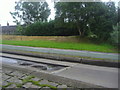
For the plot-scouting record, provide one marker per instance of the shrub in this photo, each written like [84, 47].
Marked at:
[115, 35]
[48, 29]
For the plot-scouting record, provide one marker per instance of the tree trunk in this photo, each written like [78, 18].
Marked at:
[80, 33]
[79, 30]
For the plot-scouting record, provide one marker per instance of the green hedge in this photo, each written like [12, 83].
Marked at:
[48, 29]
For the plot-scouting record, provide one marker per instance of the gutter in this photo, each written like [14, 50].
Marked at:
[65, 58]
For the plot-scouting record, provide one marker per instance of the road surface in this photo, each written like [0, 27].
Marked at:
[110, 56]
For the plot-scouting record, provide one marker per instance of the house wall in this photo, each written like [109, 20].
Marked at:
[9, 30]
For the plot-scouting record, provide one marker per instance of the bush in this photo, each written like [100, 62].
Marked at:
[48, 29]
[115, 35]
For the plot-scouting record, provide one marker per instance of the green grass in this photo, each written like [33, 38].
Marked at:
[64, 45]
[28, 79]
[7, 85]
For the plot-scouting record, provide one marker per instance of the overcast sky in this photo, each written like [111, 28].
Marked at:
[8, 5]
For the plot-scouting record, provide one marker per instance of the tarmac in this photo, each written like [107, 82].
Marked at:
[110, 56]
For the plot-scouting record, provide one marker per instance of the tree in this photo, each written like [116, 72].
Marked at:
[30, 12]
[72, 14]
[118, 14]
[115, 35]
[96, 18]
[102, 19]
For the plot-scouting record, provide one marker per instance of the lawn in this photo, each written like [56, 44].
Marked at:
[63, 45]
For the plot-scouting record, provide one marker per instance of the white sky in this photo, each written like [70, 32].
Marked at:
[7, 6]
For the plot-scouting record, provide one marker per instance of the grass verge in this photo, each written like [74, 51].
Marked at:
[63, 45]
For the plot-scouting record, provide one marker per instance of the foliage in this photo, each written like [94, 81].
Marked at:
[72, 14]
[99, 16]
[115, 35]
[19, 29]
[48, 29]
[119, 14]
[104, 18]
[93, 19]
[30, 12]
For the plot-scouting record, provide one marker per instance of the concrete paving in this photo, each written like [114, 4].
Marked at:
[111, 56]
[37, 59]
[103, 77]
[96, 75]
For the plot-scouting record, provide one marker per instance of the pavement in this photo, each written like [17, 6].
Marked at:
[17, 79]
[106, 78]
[75, 74]
[109, 56]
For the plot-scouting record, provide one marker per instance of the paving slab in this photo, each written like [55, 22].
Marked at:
[36, 79]
[12, 86]
[61, 86]
[45, 88]
[30, 85]
[28, 81]
[14, 80]
[49, 83]
[17, 74]
[4, 83]
[102, 76]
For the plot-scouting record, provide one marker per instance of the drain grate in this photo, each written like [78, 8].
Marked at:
[25, 64]
[37, 65]
[40, 67]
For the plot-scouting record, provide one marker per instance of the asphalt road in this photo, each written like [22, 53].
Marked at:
[110, 56]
